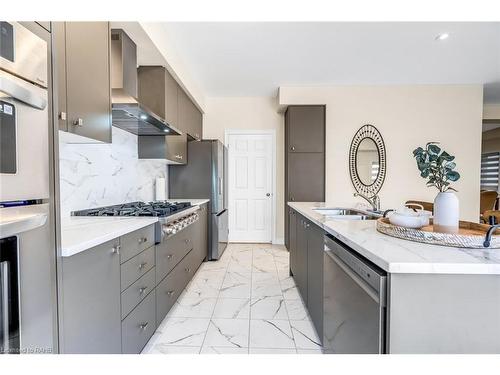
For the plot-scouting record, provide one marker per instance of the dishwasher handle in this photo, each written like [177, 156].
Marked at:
[354, 276]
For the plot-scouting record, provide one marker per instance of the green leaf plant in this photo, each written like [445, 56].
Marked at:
[436, 166]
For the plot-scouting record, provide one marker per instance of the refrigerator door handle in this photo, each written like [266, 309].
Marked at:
[220, 185]
[4, 305]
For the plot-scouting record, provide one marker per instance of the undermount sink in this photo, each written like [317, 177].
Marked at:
[346, 214]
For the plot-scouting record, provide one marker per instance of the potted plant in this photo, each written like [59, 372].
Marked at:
[437, 166]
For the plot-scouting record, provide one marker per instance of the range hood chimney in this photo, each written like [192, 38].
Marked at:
[128, 113]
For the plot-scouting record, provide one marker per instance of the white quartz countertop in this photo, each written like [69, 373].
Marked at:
[400, 256]
[79, 233]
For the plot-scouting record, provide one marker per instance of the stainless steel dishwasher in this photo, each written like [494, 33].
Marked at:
[354, 306]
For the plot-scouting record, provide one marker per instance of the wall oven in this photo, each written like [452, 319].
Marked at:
[27, 235]
[354, 302]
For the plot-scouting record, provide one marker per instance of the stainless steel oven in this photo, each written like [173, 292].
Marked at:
[27, 236]
[354, 302]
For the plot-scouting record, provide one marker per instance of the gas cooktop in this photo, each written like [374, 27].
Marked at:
[157, 208]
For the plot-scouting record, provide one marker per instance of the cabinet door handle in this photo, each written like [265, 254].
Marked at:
[143, 239]
[142, 265]
[78, 122]
[170, 293]
[186, 240]
[63, 116]
[143, 326]
[293, 148]
[116, 249]
[292, 199]
[169, 256]
[188, 269]
[143, 289]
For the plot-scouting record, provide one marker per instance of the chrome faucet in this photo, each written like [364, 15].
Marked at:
[374, 201]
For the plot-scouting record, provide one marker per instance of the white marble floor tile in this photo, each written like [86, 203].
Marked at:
[236, 247]
[289, 289]
[186, 307]
[172, 349]
[305, 335]
[242, 267]
[283, 274]
[216, 265]
[205, 284]
[227, 333]
[266, 290]
[268, 308]
[183, 331]
[264, 268]
[236, 285]
[232, 308]
[265, 277]
[271, 334]
[272, 351]
[223, 350]
[296, 310]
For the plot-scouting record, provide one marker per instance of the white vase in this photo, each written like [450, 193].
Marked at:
[446, 212]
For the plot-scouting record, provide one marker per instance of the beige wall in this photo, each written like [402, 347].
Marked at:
[491, 112]
[407, 117]
[249, 113]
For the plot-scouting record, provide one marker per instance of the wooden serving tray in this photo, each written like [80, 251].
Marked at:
[469, 235]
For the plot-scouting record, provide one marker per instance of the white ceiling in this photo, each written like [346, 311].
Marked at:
[253, 59]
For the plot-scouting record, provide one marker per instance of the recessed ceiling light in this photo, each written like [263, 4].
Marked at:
[143, 117]
[166, 130]
[442, 36]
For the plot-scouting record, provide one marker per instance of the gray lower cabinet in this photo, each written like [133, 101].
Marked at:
[201, 234]
[315, 246]
[82, 73]
[300, 275]
[292, 214]
[306, 264]
[139, 326]
[91, 318]
[115, 295]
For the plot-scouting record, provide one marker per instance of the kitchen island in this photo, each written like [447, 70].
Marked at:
[438, 299]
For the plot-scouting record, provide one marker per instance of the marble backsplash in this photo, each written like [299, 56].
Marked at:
[94, 175]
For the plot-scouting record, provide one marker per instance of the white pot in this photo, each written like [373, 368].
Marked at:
[446, 215]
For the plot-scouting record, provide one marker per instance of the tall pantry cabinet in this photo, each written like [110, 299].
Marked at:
[304, 159]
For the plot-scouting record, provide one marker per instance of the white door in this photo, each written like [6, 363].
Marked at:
[250, 187]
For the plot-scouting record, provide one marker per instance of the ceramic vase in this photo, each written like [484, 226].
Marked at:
[446, 212]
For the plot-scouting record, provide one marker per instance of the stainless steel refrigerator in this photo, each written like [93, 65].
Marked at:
[28, 320]
[205, 177]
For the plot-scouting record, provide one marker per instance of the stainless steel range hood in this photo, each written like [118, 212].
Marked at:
[128, 113]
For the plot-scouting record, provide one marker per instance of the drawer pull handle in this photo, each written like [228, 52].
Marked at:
[169, 256]
[142, 265]
[116, 249]
[143, 239]
[143, 325]
[170, 293]
[188, 269]
[186, 240]
[143, 289]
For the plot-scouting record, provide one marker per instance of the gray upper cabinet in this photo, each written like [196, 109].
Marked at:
[170, 147]
[83, 76]
[306, 128]
[158, 92]
[190, 118]
[91, 317]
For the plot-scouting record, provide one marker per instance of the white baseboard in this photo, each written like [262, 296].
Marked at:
[279, 241]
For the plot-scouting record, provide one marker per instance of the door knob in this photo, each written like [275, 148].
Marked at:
[78, 122]
[268, 194]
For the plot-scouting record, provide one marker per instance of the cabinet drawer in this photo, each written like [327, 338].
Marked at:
[139, 326]
[172, 250]
[169, 289]
[135, 242]
[134, 268]
[136, 292]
